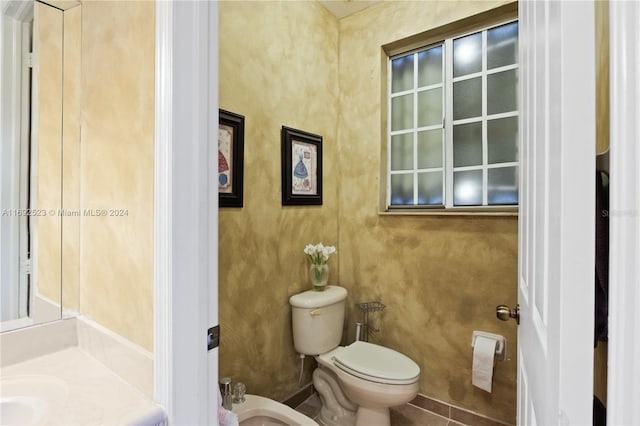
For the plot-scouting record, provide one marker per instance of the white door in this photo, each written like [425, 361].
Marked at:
[557, 210]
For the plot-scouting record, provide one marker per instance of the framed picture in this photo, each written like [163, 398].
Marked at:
[301, 168]
[230, 158]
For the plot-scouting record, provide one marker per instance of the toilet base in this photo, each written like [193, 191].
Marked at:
[336, 409]
[373, 416]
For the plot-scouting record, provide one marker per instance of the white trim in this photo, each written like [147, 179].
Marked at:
[185, 281]
[416, 118]
[483, 128]
[447, 137]
[162, 209]
[212, 214]
[623, 391]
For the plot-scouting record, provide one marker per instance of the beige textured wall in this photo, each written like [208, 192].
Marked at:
[116, 272]
[47, 33]
[71, 159]
[278, 66]
[440, 277]
[602, 75]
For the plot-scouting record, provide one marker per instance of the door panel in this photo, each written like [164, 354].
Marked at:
[557, 210]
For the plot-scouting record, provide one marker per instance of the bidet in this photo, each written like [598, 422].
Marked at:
[260, 411]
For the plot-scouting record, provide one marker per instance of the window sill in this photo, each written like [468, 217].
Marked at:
[499, 212]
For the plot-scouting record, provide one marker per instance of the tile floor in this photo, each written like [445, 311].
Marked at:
[406, 415]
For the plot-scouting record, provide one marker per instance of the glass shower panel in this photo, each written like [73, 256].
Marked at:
[402, 72]
[502, 186]
[430, 107]
[430, 67]
[467, 188]
[430, 149]
[402, 189]
[467, 55]
[502, 45]
[502, 91]
[502, 140]
[467, 144]
[402, 152]
[467, 98]
[402, 112]
[430, 188]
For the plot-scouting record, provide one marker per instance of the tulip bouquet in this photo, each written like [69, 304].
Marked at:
[319, 254]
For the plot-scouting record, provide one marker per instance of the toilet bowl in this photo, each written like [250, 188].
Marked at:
[261, 411]
[373, 378]
[359, 382]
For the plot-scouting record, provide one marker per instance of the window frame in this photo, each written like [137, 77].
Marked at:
[445, 36]
[415, 90]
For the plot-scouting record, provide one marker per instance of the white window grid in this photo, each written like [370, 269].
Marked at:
[447, 122]
[415, 130]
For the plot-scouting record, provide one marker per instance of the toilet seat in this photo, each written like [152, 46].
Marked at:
[377, 364]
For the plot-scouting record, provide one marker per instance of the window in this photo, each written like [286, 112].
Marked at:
[453, 122]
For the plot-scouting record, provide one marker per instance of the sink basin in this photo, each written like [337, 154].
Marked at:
[24, 399]
[21, 410]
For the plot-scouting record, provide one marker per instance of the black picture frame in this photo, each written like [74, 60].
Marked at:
[301, 177]
[230, 171]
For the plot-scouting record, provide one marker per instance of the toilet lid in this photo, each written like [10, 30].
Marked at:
[377, 364]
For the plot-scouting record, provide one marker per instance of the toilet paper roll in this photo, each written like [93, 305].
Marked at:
[484, 351]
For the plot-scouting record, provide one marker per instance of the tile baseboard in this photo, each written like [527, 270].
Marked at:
[299, 396]
[453, 413]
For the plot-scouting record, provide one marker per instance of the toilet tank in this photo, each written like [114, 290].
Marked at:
[317, 319]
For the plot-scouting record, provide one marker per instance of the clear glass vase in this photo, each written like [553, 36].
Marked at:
[319, 275]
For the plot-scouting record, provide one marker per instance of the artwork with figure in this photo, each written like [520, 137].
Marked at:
[304, 158]
[225, 160]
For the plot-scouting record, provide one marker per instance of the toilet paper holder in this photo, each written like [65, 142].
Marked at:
[501, 343]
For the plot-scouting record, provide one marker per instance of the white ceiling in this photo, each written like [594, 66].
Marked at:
[342, 8]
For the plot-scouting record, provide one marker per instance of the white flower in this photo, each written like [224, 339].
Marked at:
[319, 254]
[328, 251]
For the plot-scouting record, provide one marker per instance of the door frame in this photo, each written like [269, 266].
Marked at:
[186, 210]
[623, 381]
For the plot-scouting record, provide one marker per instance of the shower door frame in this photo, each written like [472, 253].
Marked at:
[16, 110]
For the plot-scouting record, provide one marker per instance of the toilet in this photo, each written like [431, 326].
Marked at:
[359, 382]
